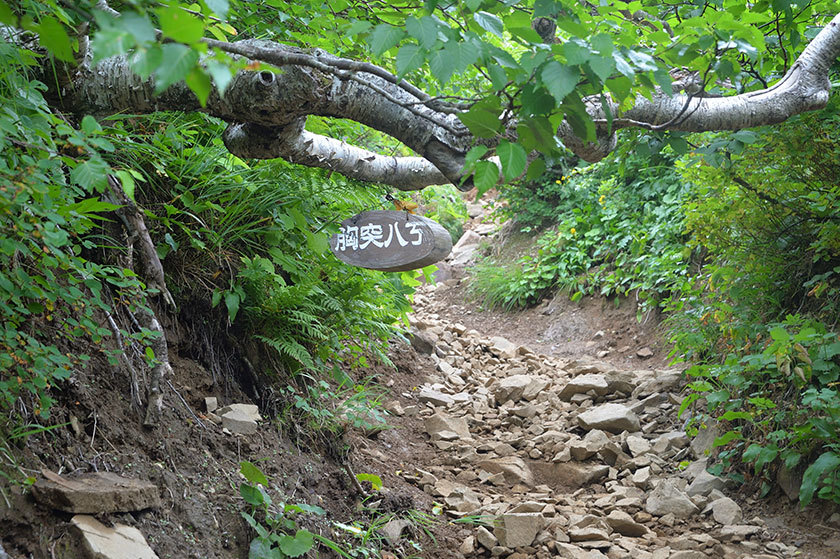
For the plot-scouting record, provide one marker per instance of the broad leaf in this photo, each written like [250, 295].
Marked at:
[410, 58]
[486, 176]
[297, 545]
[178, 61]
[490, 23]
[383, 37]
[513, 158]
[180, 25]
[425, 30]
[251, 494]
[54, 38]
[252, 473]
[559, 79]
[827, 463]
[483, 119]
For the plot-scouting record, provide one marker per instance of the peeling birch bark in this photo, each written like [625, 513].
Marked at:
[267, 109]
[134, 222]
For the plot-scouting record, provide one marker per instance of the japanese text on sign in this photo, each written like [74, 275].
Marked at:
[352, 237]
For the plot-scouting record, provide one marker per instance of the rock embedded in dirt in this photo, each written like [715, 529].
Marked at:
[435, 397]
[644, 353]
[624, 524]
[667, 498]
[582, 384]
[239, 422]
[511, 388]
[440, 422]
[393, 529]
[725, 511]
[422, 341]
[611, 417]
[518, 529]
[211, 404]
[119, 542]
[486, 538]
[502, 347]
[514, 469]
[704, 483]
[593, 443]
[95, 493]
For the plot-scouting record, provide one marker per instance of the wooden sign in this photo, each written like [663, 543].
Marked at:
[391, 241]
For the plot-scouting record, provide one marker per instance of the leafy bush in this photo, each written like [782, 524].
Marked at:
[52, 295]
[617, 229]
[445, 205]
[760, 319]
[260, 233]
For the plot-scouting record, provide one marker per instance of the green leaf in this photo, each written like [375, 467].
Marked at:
[486, 176]
[90, 125]
[442, 65]
[513, 158]
[383, 37]
[90, 175]
[253, 474]
[6, 15]
[297, 545]
[260, 548]
[490, 23]
[475, 153]
[219, 7]
[178, 61]
[825, 464]
[409, 58]
[463, 54]
[221, 75]
[559, 79]
[251, 494]
[180, 25]
[232, 303]
[375, 480]
[535, 169]
[425, 30]
[726, 438]
[483, 118]
[145, 61]
[199, 83]
[54, 38]
[138, 26]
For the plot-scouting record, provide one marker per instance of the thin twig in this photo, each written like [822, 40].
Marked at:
[186, 405]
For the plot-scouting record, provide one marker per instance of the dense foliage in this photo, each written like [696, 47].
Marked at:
[615, 228]
[759, 213]
[737, 242]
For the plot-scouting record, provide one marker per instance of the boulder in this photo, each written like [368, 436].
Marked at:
[502, 347]
[119, 542]
[612, 417]
[439, 423]
[518, 529]
[95, 493]
[725, 511]
[435, 397]
[582, 384]
[514, 469]
[511, 388]
[667, 498]
[624, 524]
[704, 483]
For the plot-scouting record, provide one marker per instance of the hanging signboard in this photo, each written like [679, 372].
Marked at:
[391, 241]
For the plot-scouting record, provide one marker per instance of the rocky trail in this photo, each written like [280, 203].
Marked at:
[552, 432]
[572, 459]
[541, 456]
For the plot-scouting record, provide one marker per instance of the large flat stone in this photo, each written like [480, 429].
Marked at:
[439, 423]
[582, 384]
[612, 417]
[119, 542]
[668, 499]
[518, 529]
[100, 492]
[511, 388]
[514, 469]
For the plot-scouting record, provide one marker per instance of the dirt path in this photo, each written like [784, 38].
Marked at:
[542, 457]
[534, 447]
